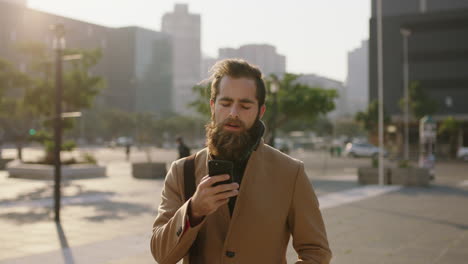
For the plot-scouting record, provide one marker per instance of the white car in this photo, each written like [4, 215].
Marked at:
[462, 153]
[361, 150]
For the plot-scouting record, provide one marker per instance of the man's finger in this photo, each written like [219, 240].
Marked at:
[226, 195]
[221, 202]
[218, 178]
[226, 187]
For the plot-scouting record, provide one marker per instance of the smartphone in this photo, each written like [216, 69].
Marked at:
[218, 167]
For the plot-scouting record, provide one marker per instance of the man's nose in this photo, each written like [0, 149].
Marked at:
[234, 111]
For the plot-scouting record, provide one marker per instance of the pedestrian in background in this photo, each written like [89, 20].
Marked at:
[127, 151]
[184, 151]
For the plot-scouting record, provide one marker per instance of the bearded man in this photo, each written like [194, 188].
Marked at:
[251, 219]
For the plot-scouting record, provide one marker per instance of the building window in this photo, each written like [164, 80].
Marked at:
[22, 67]
[103, 43]
[448, 101]
[13, 36]
[47, 41]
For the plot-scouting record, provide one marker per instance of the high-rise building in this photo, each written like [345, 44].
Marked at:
[141, 77]
[207, 64]
[437, 53]
[136, 62]
[433, 36]
[357, 80]
[262, 55]
[184, 29]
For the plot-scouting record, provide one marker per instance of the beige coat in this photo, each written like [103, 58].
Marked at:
[275, 201]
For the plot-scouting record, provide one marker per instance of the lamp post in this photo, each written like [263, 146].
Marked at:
[406, 33]
[59, 46]
[274, 88]
[380, 90]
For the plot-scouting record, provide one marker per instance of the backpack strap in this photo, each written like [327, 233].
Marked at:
[189, 177]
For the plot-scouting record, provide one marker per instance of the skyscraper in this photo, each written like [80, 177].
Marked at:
[262, 55]
[135, 63]
[436, 49]
[357, 81]
[184, 28]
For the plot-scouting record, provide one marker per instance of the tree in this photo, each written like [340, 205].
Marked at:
[38, 98]
[369, 120]
[79, 86]
[185, 126]
[420, 104]
[322, 126]
[296, 102]
[118, 123]
[449, 128]
[202, 103]
[348, 128]
[16, 117]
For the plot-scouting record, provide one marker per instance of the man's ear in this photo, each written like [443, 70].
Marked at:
[262, 111]
[212, 106]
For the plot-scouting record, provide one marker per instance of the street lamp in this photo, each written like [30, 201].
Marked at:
[274, 88]
[380, 90]
[406, 33]
[59, 46]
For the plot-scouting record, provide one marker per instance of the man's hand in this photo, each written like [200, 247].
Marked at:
[207, 199]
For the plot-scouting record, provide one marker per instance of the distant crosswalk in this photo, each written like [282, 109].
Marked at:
[353, 195]
[463, 183]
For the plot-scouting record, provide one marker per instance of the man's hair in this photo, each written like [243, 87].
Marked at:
[237, 68]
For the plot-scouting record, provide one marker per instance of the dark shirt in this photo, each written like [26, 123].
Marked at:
[184, 151]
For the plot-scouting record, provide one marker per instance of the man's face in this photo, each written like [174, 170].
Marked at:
[237, 102]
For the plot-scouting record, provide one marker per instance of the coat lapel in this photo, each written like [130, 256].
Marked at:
[252, 171]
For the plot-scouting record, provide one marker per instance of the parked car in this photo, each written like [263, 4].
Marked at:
[121, 142]
[361, 150]
[283, 145]
[463, 153]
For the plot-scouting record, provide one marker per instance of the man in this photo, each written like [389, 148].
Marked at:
[184, 151]
[250, 220]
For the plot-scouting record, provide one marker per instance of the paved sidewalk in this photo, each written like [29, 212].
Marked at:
[108, 220]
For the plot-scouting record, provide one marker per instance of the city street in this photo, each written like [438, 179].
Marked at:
[335, 82]
[109, 220]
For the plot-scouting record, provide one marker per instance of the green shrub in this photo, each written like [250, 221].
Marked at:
[89, 158]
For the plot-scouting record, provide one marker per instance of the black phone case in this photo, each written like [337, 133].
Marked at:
[218, 167]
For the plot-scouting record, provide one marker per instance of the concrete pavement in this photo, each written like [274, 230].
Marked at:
[108, 220]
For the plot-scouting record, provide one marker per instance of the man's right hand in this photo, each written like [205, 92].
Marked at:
[207, 199]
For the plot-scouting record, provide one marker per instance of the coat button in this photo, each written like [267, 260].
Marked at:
[230, 254]
[179, 231]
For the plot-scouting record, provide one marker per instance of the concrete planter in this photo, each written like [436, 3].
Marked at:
[411, 176]
[395, 176]
[370, 175]
[149, 170]
[16, 169]
[3, 163]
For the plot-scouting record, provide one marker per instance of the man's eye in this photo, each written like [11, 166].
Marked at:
[245, 107]
[225, 105]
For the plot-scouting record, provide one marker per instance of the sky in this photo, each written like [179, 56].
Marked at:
[314, 35]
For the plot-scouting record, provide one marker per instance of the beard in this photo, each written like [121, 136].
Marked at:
[229, 145]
